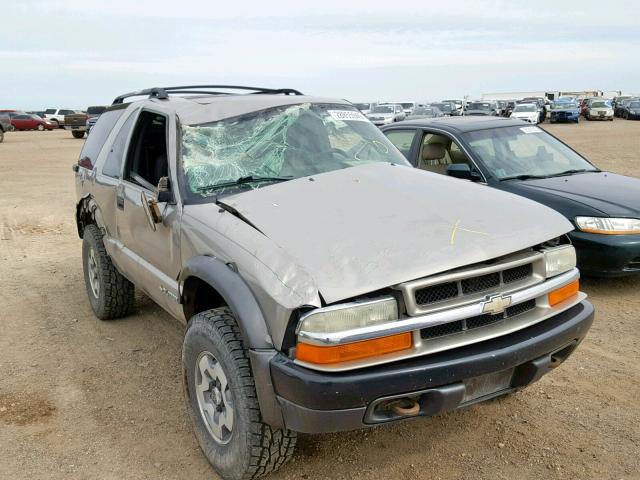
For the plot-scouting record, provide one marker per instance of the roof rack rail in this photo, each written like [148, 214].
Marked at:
[162, 93]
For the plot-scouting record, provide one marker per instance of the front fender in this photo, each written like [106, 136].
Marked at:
[236, 294]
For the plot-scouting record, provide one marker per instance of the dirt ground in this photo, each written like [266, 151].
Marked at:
[85, 399]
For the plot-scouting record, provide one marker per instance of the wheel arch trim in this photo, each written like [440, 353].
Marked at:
[236, 294]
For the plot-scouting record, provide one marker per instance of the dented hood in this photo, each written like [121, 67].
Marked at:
[364, 228]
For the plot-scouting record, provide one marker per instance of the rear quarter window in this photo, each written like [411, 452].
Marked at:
[113, 163]
[99, 133]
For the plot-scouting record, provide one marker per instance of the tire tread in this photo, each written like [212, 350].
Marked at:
[119, 293]
[270, 447]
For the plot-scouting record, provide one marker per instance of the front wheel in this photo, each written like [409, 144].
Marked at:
[77, 134]
[221, 398]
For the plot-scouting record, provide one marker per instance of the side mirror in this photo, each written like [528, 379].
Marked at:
[164, 192]
[463, 171]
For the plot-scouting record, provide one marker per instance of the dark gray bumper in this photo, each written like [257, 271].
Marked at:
[318, 402]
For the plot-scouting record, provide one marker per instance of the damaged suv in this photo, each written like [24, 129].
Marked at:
[325, 284]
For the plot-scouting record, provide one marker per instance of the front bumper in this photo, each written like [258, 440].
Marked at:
[607, 255]
[564, 117]
[597, 116]
[317, 402]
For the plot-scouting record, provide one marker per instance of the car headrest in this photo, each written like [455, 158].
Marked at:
[433, 151]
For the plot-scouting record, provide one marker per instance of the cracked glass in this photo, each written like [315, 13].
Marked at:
[279, 144]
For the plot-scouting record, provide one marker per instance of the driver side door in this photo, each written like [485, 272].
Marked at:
[152, 250]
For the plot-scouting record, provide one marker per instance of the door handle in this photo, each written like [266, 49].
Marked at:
[120, 197]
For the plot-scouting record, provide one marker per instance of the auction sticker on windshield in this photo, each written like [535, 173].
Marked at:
[346, 115]
[530, 129]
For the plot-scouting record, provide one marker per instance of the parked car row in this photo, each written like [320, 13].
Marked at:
[532, 110]
[20, 120]
[78, 122]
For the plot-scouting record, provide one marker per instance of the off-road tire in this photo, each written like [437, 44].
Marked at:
[77, 134]
[254, 448]
[116, 294]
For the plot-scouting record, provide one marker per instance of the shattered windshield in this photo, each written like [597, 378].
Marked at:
[279, 144]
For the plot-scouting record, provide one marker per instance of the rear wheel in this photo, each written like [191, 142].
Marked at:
[221, 398]
[1, 135]
[40, 127]
[77, 134]
[110, 294]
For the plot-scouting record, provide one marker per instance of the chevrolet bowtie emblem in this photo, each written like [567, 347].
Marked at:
[496, 304]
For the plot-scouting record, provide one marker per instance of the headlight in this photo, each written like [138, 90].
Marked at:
[609, 226]
[349, 316]
[559, 260]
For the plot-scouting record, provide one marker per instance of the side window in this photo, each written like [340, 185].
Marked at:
[99, 133]
[66, 112]
[402, 140]
[113, 163]
[147, 156]
[50, 111]
[434, 153]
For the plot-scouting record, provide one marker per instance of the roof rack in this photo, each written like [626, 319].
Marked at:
[163, 92]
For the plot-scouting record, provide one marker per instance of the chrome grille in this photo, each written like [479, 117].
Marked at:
[474, 284]
[476, 322]
[517, 273]
[437, 293]
[481, 283]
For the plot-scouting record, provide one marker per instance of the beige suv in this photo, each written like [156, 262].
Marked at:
[325, 284]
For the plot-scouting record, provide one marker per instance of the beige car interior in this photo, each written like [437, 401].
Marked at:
[437, 152]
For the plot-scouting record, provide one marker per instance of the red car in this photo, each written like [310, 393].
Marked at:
[30, 122]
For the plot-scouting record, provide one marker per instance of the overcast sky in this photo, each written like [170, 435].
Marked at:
[70, 53]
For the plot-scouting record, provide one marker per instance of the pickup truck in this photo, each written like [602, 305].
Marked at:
[56, 115]
[325, 284]
[78, 123]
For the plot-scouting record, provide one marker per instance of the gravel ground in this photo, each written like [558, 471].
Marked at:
[84, 399]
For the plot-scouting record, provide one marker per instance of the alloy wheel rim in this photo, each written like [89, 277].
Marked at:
[94, 281]
[215, 402]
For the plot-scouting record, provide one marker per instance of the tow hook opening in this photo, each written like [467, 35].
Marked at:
[561, 355]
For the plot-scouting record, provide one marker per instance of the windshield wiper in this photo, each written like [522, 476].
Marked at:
[571, 172]
[523, 177]
[242, 181]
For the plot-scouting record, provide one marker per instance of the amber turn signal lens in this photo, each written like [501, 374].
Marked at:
[324, 355]
[563, 293]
